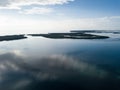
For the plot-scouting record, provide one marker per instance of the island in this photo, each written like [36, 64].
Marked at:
[97, 31]
[81, 34]
[12, 37]
[71, 35]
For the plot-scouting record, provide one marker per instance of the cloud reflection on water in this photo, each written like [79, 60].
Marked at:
[19, 72]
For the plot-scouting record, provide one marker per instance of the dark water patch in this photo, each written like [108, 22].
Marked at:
[53, 72]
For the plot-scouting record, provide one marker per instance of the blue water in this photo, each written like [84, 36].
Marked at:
[39, 63]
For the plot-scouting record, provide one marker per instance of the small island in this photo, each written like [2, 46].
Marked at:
[97, 31]
[71, 35]
[12, 37]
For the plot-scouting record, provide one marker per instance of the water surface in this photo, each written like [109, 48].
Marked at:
[38, 63]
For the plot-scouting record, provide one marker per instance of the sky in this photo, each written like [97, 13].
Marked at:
[41, 16]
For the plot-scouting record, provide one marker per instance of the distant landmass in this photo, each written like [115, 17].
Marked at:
[74, 34]
[97, 31]
[12, 37]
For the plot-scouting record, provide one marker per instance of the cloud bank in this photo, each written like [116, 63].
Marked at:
[16, 4]
[37, 10]
[13, 25]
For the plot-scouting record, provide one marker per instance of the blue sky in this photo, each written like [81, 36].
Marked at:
[97, 8]
[36, 16]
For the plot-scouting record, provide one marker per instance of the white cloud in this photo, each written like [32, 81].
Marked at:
[16, 4]
[37, 10]
[103, 23]
[12, 25]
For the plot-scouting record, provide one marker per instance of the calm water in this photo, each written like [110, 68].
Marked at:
[39, 63]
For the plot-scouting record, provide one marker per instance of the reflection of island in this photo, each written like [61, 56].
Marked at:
[74, 35]
[12, 37]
